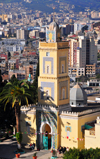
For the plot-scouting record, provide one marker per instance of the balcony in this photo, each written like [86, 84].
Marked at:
[90, 132]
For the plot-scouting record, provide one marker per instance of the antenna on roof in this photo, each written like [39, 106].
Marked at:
[53, 15]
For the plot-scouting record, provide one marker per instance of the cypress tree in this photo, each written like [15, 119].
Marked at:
[35, 85]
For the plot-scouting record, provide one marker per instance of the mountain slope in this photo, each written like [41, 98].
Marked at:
[47, 5]
[93, 4]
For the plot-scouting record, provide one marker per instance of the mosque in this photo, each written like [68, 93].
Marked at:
[61, 116]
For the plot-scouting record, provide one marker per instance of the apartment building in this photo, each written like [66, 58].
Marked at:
[22, 34]
[91, 51]
[12, 41]
[19, 74]
[13, 64]
[67, 29]
[72, 54]
[78, 26]
[90, 70]
[77, 51]
[11, 48]
[76, 71]
[82, 53]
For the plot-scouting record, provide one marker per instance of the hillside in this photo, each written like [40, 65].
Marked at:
[48, 5]
[93, 4]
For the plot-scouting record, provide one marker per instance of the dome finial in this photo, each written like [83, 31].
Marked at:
[53, 17]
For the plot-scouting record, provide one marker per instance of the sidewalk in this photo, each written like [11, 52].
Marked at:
[42, 154]
[47, 156]
[7, 148]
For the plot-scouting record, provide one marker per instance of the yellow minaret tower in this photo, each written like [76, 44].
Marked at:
[53, 88]
[53, 81]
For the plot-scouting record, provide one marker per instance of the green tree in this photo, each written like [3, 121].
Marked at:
[2, 83]
[13, 79]
[35, 85]
[9, 55]
[98, 75]
[7, 117]
[16, 93]
[82, 79]
[0, 78]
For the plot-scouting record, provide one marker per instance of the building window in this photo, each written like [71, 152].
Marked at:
[47, 94]
[47, 69]
[63, 93]
[47, 53]
[62, 68]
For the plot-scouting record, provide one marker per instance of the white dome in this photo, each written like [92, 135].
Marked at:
[78, 96]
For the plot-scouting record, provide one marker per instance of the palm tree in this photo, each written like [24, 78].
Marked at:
[16, 92]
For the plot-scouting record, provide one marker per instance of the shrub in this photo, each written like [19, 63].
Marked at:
[19, 137]
[82, 154]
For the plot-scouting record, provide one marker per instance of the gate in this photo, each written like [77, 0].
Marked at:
[45, 142]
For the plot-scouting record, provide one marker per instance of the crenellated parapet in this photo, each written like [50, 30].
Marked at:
[90, 111]
[78, 114]
[30, 109]
[69, 113]
[46, 107]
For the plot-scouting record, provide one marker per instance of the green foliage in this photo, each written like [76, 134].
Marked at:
[19, 137]
[82, 79]
[9, 55]
[34, 154]
[13, 79]
[82, 154]
[16, 93]
[98, 56]
[98, 76]
[7, 117]
[54, 153]
[0, 78]
[35, 85]
[20, 150]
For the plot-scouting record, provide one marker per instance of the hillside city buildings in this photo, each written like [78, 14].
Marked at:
[21, 30]
[66, 44]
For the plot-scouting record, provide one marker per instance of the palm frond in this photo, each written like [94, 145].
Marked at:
[26, 100]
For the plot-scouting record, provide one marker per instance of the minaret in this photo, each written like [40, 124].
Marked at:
[53, 87]
[53, 81]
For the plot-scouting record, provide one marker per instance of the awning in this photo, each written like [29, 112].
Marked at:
[88, 126]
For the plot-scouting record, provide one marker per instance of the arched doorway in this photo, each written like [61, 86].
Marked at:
[46, 139]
